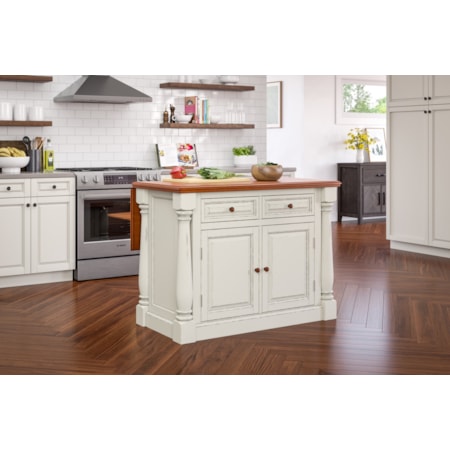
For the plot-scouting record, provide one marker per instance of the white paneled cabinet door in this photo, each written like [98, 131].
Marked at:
[408, 175]
[14, 236]
[288, 256]
[230, 278]
[439, 89]
[406, 90]
[52, 234]
[440, 177]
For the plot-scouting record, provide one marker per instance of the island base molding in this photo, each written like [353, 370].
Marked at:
[189, 332]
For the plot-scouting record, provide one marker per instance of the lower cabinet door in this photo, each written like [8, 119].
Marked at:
[53, 234]
[230, 278]
[373, 199]
[14, 237]
[288, 255]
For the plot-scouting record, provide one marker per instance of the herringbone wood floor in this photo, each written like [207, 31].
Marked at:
[393, 318]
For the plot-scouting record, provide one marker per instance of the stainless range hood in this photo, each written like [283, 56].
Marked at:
[101, 89]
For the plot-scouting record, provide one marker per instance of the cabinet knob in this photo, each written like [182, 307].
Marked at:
[290, 206]
[266, 269]
[425, 98]
[429, 98]
[54, 186]
[34, 205]
[8, 188]
[28, 205]
[231, 209]
[257, 270]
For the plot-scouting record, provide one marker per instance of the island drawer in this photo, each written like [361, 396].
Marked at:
[288, 206]
[13, 188]
[53, 186]
[233, 208]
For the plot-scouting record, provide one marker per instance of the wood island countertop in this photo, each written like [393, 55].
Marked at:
[247, 184]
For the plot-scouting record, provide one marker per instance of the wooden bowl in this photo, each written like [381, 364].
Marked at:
[263, 172]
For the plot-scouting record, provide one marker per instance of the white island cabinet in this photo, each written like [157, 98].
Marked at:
[219, 258]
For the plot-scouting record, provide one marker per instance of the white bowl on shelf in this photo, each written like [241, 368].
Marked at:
[183, 118]
[228, 79]
[12, 165]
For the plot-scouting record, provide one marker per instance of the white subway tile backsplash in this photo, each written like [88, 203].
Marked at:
[102, 134]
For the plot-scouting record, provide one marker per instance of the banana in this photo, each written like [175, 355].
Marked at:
[11, 152]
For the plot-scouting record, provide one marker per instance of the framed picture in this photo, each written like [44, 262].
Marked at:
[274, 104]
[377, 151]
[172, 155]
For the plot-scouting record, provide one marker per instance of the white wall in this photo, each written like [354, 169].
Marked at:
[314, 141]
[285, 145]
[86, 134]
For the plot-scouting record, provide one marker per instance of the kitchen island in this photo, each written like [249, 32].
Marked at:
[225, 257]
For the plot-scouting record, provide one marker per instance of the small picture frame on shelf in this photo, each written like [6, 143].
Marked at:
[377, 151]
[172, 155]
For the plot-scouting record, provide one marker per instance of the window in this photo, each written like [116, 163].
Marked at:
[361, 100]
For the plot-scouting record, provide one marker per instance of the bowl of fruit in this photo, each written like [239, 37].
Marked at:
[12, 160]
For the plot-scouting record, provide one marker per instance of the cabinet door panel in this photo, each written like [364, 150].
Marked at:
[230, 285]
[53, 234]
[288, 257]
[439, 89]
[408, 182]
[440, 178]
[14, 237]
[407, 90]
[373, 199]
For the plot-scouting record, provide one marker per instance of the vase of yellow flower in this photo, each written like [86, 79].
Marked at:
[358, 139]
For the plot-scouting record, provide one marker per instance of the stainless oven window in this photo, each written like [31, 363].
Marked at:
[106, 219]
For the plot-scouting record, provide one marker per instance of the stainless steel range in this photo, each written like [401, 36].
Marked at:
[103, 221]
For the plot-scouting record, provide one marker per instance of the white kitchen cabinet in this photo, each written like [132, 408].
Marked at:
[418, 181]
[250, 270]
[220, 263]
[37, 229]
[415, 90]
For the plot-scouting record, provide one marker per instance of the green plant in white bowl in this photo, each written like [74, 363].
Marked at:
[244, 156]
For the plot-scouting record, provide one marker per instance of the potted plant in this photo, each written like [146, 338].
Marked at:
[244, 156]
[358, 139]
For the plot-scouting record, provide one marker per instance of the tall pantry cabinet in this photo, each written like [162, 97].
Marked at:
[419, 163]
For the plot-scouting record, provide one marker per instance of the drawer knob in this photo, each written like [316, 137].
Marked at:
[266, 269]
[8, 188]
[54, 186]
[290, 206]
[231, 209]
[257, 270]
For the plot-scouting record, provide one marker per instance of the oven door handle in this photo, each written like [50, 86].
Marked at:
[104, 196]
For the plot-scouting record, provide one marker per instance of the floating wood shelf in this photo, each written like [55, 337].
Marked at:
[218, 126]
[28, 78]
[25, 123]
[207, 87]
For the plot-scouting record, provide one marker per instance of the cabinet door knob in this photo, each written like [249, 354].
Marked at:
[231, 209]
[257, 270]
[28, 205]
[34, 205]
[429, 98]
[290, 206]
[424, 98]
[266, 269]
